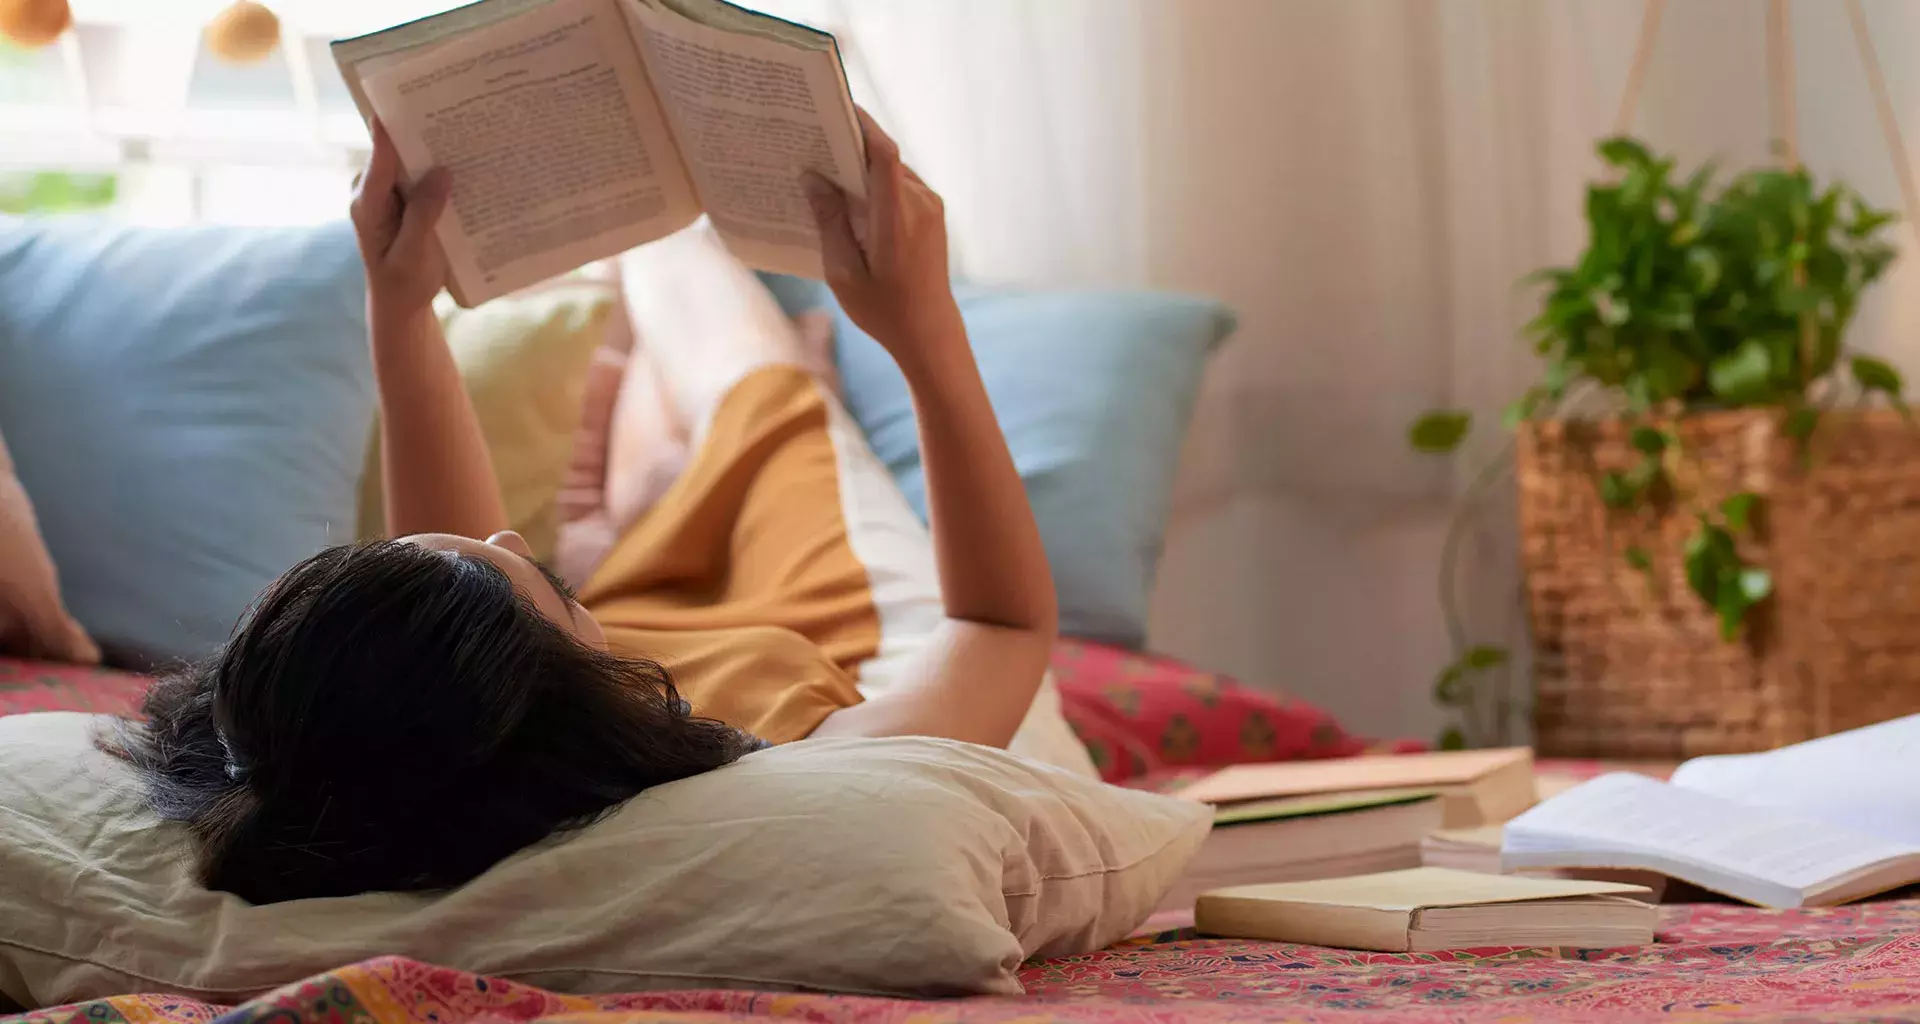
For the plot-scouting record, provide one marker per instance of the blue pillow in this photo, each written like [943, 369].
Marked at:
[189, 411]
[1093, 391]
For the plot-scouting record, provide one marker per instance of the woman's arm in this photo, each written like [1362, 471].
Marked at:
[977, 679]
[436, 473]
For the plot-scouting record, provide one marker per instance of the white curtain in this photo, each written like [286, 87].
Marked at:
[1365, 183]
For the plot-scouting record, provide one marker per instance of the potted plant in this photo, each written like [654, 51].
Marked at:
[1700, 477]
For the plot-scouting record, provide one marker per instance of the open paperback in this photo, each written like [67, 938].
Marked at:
[578, 129]
[1815, 824]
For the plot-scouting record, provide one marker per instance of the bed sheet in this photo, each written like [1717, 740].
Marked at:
[1713, 963]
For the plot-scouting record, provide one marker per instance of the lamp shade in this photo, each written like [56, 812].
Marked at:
[34, 23]
[244, 33]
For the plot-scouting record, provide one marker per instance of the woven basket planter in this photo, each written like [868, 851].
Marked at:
[1631, 664]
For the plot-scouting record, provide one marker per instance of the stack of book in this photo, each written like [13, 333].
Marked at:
[1308, 852]
[1304, 820]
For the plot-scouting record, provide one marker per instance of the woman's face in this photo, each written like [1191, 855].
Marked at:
[509, 553]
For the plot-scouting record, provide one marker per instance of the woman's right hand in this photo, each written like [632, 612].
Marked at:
[405, 267]
[886, 256]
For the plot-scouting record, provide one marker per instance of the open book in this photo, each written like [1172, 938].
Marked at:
[578, 129]
[1427, 909]
[1814, 824]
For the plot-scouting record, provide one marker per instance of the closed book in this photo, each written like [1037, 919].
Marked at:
[1295, 838]
[1429, 909]
[1476, 787]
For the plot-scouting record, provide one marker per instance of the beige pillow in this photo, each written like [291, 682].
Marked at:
[525, 361]
[907, 867]
[33, 620]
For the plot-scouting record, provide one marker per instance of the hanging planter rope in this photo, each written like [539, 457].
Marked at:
[1626, 661]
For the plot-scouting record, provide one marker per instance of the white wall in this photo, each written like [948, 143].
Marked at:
[1365, 180]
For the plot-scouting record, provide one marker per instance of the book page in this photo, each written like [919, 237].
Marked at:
[1704, 837]
[1864, 779]
[750, 114]
[558, 149]
[362, 56]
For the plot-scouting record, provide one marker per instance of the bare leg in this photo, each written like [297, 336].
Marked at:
[704, 321]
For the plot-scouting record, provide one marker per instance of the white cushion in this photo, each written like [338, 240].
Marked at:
[908, 867]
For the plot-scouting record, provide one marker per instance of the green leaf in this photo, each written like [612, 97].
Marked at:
[1450, 690]
[1639, 390]
[1800, 423]
[1704, 264]
[1642, 476]
[1755, 584]
[1702, 565]
[1867, 221]
[1619, 490]
[1638, 558]
[1874, 375]
[1732, 607]
[1649, 440]
[1452, 739]
[1523, 408]
[1669, 371]
[1483, 657]
[1439, 432]
[1614, 309]
[1616, 492]
[1743, 375]
[1795, 301]
[1738, 510]
[1559, 375]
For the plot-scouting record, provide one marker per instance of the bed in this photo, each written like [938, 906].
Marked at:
[1712, 963]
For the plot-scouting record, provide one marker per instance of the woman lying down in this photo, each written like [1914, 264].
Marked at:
[401, 715]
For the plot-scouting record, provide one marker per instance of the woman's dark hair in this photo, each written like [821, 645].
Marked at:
[392, 717]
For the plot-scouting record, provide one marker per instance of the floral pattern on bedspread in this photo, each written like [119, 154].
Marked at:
[1714, 963]
[27, 686]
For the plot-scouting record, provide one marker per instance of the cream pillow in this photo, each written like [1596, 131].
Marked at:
[907, 867]
[34, 622]
[525, 360]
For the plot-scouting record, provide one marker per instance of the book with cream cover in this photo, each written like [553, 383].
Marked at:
[1428, 909]
[1815, 824]
[578, 129]
[1477, 787]
[1291, 838]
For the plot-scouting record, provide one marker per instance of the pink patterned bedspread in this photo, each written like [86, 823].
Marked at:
[1718, 963]
[1712, 963]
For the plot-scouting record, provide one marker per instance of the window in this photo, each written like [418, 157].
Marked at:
[130, 113]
